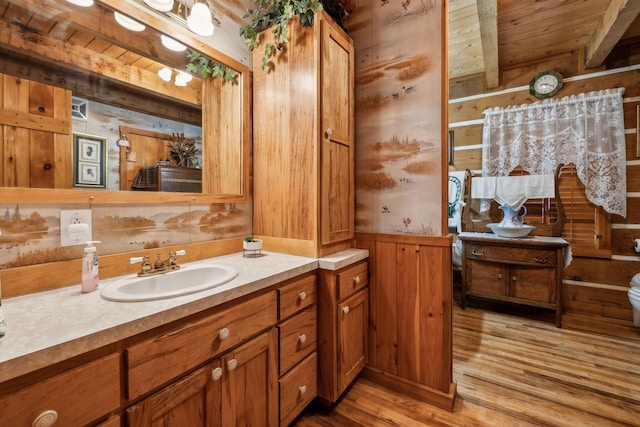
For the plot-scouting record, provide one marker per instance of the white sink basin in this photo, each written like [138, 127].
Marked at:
[187, 280]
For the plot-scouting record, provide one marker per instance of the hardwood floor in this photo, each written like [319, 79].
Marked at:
[511, 371]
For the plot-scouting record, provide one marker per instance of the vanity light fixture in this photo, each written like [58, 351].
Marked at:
[172, 44]
[160, 5]
[82, 3]
[199, 20]
[181, 79]
[128, 23]
[165, 74]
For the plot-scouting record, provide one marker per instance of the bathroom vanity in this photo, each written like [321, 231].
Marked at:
[82, 360]
[523, 270]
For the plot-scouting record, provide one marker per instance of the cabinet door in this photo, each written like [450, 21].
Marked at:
[486, 277]
[250, 383]
[192, 401]
[353, 318]
[337, 129]
[532, 283]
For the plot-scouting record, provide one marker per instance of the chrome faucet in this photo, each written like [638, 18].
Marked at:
[161, 266]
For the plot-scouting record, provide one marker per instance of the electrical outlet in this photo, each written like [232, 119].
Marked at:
[67, 218]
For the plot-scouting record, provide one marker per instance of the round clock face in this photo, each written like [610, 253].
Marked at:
[545, 84]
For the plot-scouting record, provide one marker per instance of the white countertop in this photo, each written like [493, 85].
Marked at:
[47, 327]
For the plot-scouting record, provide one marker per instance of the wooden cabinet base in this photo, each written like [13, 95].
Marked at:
[409, 388]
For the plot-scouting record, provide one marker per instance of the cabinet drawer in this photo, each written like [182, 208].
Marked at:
[536, 284]
[486, 277]
[159, 359]
[542, 257]
[78, 396]
[298, 388]
[352, 279]
[297, 338]
[296, 296]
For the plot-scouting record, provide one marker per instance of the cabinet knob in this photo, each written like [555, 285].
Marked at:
[302, 389]
[302, 295]
[231, 365]
[345, 309]
[216, 374]
[45, 419]
[302, 339]
[500, 276]
[356, 280]
[223, 334]
[328, 132]
[513, 278]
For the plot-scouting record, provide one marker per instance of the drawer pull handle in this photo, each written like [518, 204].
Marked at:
[541, 260]
[345, 309]
[302, 295]
[302, 390]
[477, 253]
[216, 374]
[45, 419]
[356, 280]
[223, 334]
[302, 338]
[514, 278]
[232, 364]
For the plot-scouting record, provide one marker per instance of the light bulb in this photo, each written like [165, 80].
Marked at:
[83, 3]
[172, 44]
[199, 20]
[184, 76]
[165, 74]
[160, 5]
[128, 23]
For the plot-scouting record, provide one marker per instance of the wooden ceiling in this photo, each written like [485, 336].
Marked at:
[488, 36]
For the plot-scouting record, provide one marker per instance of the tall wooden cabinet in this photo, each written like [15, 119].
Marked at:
[303, 142]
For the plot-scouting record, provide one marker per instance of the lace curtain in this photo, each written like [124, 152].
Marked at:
[586, 130]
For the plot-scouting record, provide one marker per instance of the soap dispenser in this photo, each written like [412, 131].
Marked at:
[90, 274]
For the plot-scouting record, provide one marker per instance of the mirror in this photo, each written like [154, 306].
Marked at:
[85, 54]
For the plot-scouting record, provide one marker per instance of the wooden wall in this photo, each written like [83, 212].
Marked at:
[595, 290]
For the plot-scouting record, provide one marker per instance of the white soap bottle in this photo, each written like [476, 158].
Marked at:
[90, 273]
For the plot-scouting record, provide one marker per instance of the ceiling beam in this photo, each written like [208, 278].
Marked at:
[488, 14]
[617, 18]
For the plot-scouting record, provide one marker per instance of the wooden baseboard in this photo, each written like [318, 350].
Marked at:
[601, 325]
[417, 391]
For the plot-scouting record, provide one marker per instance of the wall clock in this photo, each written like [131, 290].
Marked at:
[545, 84]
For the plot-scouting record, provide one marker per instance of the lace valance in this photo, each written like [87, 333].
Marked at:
[586, 130]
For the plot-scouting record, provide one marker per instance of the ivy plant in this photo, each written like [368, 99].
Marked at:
[276, 14]
[199, 63]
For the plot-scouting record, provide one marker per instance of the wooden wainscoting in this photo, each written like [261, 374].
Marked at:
[410, 298]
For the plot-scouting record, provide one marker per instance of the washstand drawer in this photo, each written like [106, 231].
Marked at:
[162, 358]
[78, 397]
[542, 257]
[298, 388]
[352, 279]
[296, 296]
[298, 337]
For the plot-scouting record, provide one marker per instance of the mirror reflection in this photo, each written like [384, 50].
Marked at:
[75, 80]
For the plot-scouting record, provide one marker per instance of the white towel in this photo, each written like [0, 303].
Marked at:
[541, 186]
[483, 187]
[511, 190]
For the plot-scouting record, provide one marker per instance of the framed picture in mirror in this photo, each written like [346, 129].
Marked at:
[89, 157]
